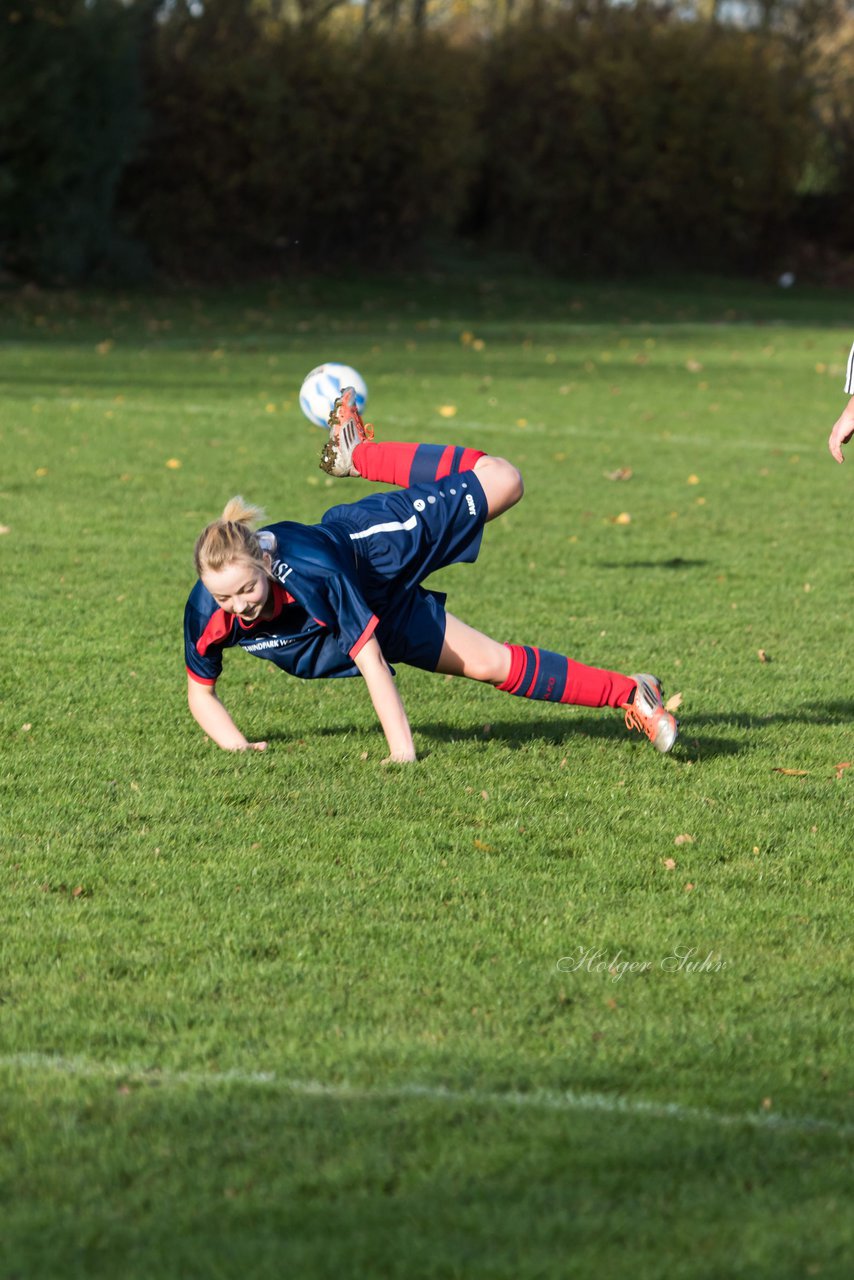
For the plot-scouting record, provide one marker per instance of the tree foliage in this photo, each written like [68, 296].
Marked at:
[226, 135]
[301, 146]
[70, 121]
[623, 136]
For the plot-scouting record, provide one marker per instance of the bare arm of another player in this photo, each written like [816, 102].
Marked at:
[207, 710]
[842, 431]
[387, 702]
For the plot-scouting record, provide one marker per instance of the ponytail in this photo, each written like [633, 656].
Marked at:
[231, 537]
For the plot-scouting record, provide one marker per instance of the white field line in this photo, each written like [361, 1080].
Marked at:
[661, 437]
[534, 1100]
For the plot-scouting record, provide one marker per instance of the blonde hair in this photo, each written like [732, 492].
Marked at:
[231, 537]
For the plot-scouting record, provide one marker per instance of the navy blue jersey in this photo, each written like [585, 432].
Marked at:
[356, 574]
[294, 641]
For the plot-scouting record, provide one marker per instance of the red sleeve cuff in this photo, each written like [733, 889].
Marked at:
[365, 636]
[200, 679]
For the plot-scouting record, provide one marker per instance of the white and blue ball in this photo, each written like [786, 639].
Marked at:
[322, 387]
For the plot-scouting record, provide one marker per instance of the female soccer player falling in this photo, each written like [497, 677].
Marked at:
[344, 597]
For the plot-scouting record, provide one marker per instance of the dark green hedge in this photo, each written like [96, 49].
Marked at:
[601, 137]
[302, 148]
[70, 121]
[626, 138]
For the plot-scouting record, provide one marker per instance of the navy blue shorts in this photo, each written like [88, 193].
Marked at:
[401, 537]
[414, 631]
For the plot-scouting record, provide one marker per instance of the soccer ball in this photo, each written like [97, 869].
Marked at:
[322, 387]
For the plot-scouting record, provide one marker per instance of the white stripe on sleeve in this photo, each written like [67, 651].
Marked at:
[849, 374]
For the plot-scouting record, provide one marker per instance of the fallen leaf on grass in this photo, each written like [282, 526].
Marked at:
[684, 839]
[793, 773]
[622, 518]
[669, 864]
[840, 768]
[762, 655]
[4, 528]
[622, 473]
[483, 846]
[673, 703]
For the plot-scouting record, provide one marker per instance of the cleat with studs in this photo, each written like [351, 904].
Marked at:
[346, 430]
[648, 714]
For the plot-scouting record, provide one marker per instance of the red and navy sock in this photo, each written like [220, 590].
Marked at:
[549, 677]
[406, 464]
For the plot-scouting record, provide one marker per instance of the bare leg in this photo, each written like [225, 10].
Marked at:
[502, 484]
[529, 672]
[470, 653]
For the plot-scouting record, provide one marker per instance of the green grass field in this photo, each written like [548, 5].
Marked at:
[300, 1015]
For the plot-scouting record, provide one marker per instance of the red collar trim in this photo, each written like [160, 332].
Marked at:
[281, 599]
[220, 623]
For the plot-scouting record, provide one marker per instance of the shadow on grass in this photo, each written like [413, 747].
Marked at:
[676, 562]
[399, 1185]
[560, 730]
[560, 735]
[554, 731]
[819, 713]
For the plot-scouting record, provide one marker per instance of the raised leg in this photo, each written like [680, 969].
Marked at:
[501, 481]
[351, 450]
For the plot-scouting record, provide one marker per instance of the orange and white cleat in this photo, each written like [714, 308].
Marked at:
[648, 714]
[346, 430]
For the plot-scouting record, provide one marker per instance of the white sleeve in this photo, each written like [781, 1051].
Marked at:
[849, 373]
